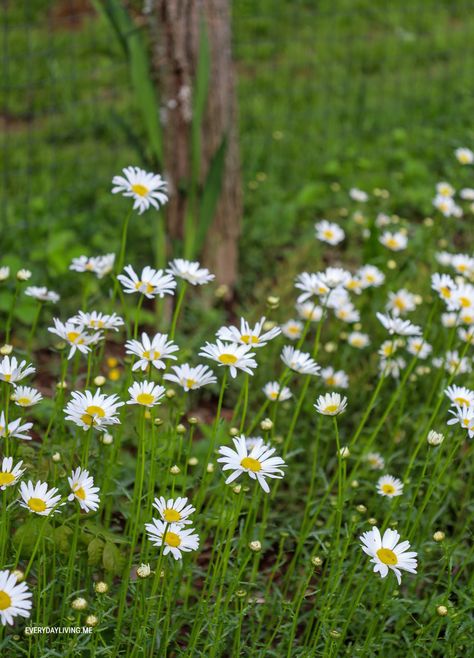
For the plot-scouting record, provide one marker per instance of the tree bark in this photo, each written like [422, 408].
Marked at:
[176, 24]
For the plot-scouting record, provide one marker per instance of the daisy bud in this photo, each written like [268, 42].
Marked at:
[255, 546]
[439, 535]
[107, 439]
[391, 264]
[343, 212]
[372, 521]
[101, 587]
[443, 243]
[175, 470]
[23, 275]
[442, 610]
[210, 468]
[79, 604]
[237, 489]
[222, 292]
[344, 452]
[61, 384]
[261, 176]
[361, 508]
[19, 575]
[99, 380]
[143, 571]
[56, 457]
[4, 273]
[193, 420]
[273, 302]
[170, 393]
[435, 438]
[316, 561]
[266, 424]
[334, 633]
[158, 421]
[234, 431]
[193, 461]
[428, 221]
[92, 620]
[330, 347]
[147, 414]
[241, 593]
[6, 349]
[180, 429]
[355, 484]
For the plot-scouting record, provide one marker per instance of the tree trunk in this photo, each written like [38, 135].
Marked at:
[176, 24]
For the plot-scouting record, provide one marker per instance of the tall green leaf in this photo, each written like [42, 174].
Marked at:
[210, 193]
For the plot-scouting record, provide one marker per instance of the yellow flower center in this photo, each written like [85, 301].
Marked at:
[251, 464]
[23, 401]
[171, 516]
[6, 479]
[91, 411]
[37, 504]
[72, 336]
[248, 338]
[148, 287]
[328, 234]
[227, 359]
[97, 324]
[5, 600]
[465, 302]
[388, 489]
[392, 243]
[330, 381]
[387, 556]
[399, 303]
[331, 408]
[80, 493]
[141, 190]
[190, 383]
[462, 402]
[461, 267]
[274, 395]
[370, 278]
[293, 330]
[145, 398]
[445, 292]
[172, 539]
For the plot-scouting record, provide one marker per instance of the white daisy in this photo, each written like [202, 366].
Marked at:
[174, 510]
[398, 326]
[463, 264]
[75, 336]
[10, 474]
[443, 284]
[375, 460]
[16, 599]
[337, 378]
[445, 189]
[42, 294]
[460, 396]
[358, 339]
[146, 189]
[465, 417]
[310, 284]
[255, 441]
[248, 335]
[292, 329]
[98, 265]
[418, 347]
[358, 195]
[38, 498]
[277, 393]
[4, 273]
[151, 283]
[146, 394]
[301, 362]
[151, 351]
[331, 404]
[11, 371]
[93, 410]
[192, 272]
[191, 378]
[394, 241]
[309, 311]
[401, 302]
[329, 232]
[464, 155]
[258, 463]
[98, 321]
[26, 396]
[389, 486]
[15, 428]
[370, 276]
[235, 357]
[83, 490]
[335, 277]
[174, 537]
[387, 554]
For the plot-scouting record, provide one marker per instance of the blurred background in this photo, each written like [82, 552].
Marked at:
[331, 94]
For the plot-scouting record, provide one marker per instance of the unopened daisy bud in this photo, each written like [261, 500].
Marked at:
[147, 414]
[344, 452]
[237, 489]
[56, 457]
[334, 633]
[273, 302]
[222, 291]
[170, 393]
[210, 467]
[99, 380]
[442, 610]
[355, 484]
[234, 431]
[266, 424]
[361, 508]
[241, 593]
[372, 521]
[107, 439]
[23, 275]
[79, 604]
[255, 546]
[439, 535]
[61, 384]
[19, 575]
[357, 326]
[158, 421]
[101, 587]
[193, 420]
[92, 620]
[269, 325]
[316, 561]
[193, 461]
[428, 221]
[330, 347]
[6, 349]
[435, 438]
[143, 571]
[391, 264]
[175, 470]
[180, 429]
[443, 243]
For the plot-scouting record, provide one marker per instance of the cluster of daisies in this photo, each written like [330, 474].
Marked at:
[445, 197]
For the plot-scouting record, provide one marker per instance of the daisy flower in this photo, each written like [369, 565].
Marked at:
[394, 241]
[4, 272]
[146, 189]
[397, 326]
[464, 155]
[387, 553]
[98, 265]
[329, 232]
[38, 498]
[151, 283]
[418, 347]
[191, 378]
[465, 417]
[173, 536]
[370, 276]
[292, 329]
[83, 490]
[375, 461]
[93, 410]
[445, 189]
[358, 195]
[15, 598]
[389, 486]
[258, 463]
[255, 441]
[309, 311]
[401, 302]
[460, 396]
[10, 474]
[443, 284]
[15, 429]
[358, 339]
[463, 264]
[42, 294]
[453, 363]
[337, 378]
[347, 313]
[248, 335]
[301, 362]
[446, 205]
[75, 336]
[189, 271]
[26, 396]
[174, 510]
[335, 277]
[151, 351]
[467, 193]
[146, 394]
[276, 393]
[331, 404]
[11, 371]
[392, 367]
[310, 284]
[98, 321]
[235, 357]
